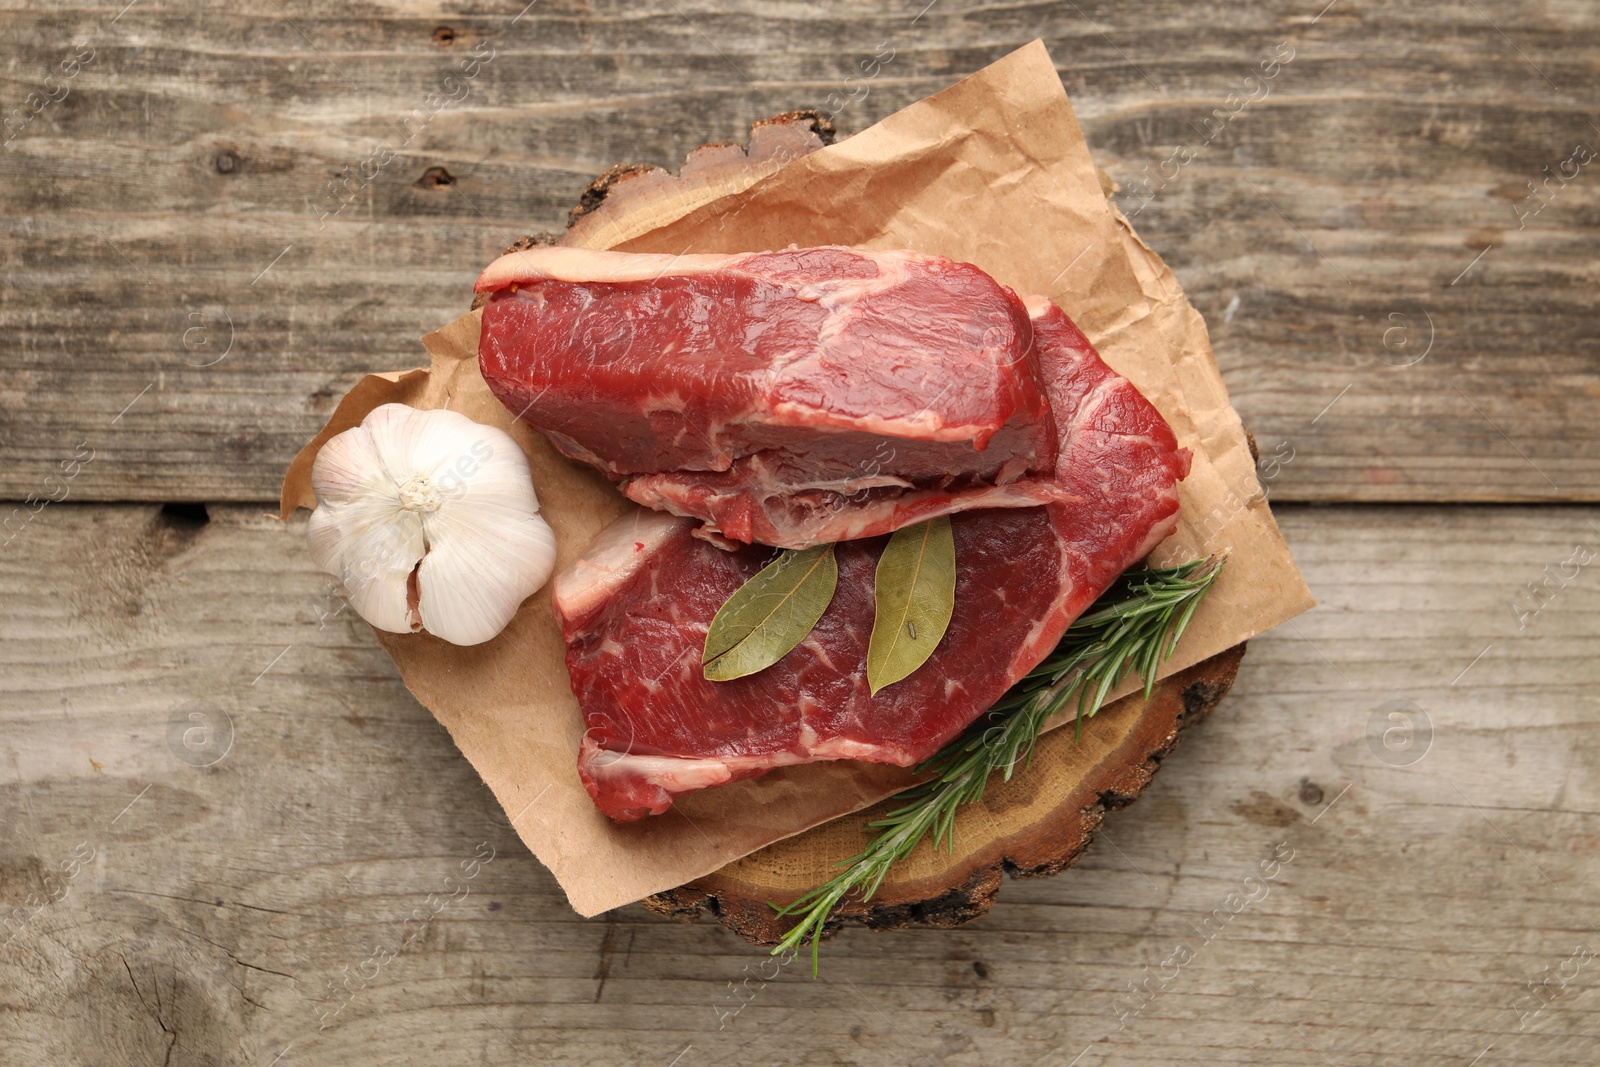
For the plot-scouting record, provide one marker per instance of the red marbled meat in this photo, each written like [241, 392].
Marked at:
[782, 398]
[636, 607]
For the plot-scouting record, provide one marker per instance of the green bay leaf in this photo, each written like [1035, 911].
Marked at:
[916, 594]
[770, 614]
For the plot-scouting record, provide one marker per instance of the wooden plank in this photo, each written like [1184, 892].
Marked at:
[229, 910]
[187, 203]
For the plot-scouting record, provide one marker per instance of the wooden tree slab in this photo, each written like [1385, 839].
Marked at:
[1040, 821]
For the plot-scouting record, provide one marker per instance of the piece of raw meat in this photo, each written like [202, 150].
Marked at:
[636, 607]
[782, 398]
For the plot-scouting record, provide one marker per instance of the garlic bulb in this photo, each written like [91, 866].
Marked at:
[431, 522]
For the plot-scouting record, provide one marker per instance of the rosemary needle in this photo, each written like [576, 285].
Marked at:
[1134, 625]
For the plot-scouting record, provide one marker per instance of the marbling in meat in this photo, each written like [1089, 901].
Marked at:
[782, 398]
[635, 610]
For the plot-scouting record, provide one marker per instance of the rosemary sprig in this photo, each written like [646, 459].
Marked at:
[1133, 626]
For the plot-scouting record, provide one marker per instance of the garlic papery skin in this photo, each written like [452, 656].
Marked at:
[434, 494]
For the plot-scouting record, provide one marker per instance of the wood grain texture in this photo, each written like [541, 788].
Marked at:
[230, 910]
[192, 277]
[188, 202]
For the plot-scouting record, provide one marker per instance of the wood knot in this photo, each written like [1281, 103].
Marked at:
[436, 178]
[227, 161]
[444, 36]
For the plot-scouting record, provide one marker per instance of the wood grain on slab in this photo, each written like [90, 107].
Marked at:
[234, 213]
[232, 836]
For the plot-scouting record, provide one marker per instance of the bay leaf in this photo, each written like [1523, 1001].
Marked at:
[770, 614]
[916, 594]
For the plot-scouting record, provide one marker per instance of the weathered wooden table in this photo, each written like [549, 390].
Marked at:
[227, 827]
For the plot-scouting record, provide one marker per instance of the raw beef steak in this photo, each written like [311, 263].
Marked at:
[636, 607]
[783, 398]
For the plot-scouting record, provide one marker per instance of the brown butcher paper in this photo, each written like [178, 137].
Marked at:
[993, 171]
